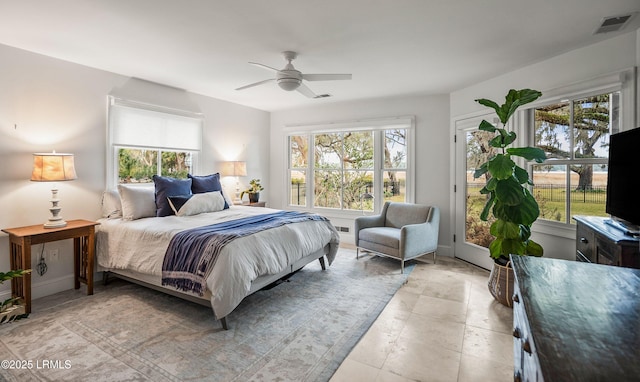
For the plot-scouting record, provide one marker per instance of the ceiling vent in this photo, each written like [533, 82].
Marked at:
[613, 23]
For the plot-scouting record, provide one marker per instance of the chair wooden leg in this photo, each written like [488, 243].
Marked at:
[401, 266]
[434, 257]
[357, 253]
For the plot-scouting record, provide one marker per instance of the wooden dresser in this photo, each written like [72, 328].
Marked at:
[575, 321]
[601, 243]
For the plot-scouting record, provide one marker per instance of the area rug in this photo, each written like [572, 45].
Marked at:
[299, 330]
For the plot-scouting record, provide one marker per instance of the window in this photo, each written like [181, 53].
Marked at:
[140, 165]
[298, 163]
[146, 140]
[394, 169]
[574, 133]
[354, 168]
[343, 169]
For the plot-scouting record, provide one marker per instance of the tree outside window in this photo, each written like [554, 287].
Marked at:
[298, 163]
[478, 151]
[395, 165]
[575, 136]
[140, 165]
[343, 164]
[343, 170]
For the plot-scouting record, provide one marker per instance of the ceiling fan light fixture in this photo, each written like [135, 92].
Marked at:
[290, 78]
[289, 84]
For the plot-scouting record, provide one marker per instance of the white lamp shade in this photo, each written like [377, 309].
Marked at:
[234, 168]
[53, 167]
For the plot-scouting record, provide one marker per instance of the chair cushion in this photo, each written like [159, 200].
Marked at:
[386, 236]
[401, 214]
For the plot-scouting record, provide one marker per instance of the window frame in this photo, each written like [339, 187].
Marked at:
[621, 81]
[378, 126]
[112, 162]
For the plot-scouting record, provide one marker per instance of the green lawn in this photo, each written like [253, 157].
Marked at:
[477, 231]
[556, 210]
[395, 198]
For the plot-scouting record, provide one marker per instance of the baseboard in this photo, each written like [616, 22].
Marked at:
[347, 238]
[46, 288]
[444, 250]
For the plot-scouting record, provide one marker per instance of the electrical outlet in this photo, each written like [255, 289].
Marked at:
[53, 255]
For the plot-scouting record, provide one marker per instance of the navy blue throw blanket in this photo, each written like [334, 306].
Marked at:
[192, 253]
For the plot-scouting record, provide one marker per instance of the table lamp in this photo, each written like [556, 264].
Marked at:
[235, 168]
[53, 167]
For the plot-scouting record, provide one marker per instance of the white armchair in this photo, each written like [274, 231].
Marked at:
[402, 231]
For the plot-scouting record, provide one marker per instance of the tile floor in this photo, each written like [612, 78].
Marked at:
[442, 325]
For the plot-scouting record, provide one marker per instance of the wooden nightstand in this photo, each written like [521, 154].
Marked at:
[22, 238]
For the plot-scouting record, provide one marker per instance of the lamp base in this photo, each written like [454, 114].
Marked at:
[55, 224]
[55, 221]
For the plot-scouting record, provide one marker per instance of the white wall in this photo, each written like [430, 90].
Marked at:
[236, 132]
[432, 148]
[579, 65]
[48, 104]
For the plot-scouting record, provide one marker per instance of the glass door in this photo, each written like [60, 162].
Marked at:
[472, 235]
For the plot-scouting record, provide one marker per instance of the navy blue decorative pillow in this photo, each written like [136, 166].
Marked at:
[207, 183]
[166, 187]
[176, 202]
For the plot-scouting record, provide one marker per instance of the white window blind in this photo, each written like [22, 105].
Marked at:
[140, 127]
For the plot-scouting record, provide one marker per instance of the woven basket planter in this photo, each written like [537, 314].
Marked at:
[501, 283]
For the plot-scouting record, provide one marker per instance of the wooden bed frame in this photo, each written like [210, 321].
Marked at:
[155, 282]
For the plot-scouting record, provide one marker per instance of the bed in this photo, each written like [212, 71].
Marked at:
[135, 251]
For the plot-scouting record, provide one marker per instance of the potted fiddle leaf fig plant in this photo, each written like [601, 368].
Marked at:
[12, 309]
[509, 200]
[253, 191]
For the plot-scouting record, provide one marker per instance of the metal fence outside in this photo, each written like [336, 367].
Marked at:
[298, 193]
[298, 190]
[557, 193]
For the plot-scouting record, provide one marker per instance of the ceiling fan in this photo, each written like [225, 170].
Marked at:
[290, 78]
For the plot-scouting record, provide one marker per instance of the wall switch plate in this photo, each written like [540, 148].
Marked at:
[53, 255]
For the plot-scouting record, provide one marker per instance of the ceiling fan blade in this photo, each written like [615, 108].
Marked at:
[264, 66]
[256, 84]
[306, 91]
[326, 77]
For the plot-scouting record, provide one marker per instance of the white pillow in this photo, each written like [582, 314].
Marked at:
[137, 201]
[111, 204]
[199, 203]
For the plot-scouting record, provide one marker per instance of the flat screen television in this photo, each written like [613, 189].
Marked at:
[623, 180]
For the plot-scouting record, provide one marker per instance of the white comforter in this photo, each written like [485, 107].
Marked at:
[140, 246]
